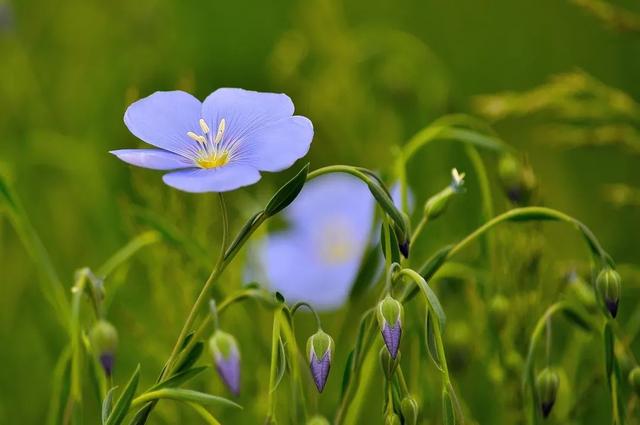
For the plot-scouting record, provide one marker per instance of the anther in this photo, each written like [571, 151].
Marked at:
[204, 126]
[220, 132]
[197, 137]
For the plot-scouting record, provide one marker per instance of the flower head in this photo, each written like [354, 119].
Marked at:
[389, 314]
[320, 351]
[217, 145]
[104, 341]
[318, 257]
[226, 357]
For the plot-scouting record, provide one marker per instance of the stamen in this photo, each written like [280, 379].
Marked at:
[220, 133]
[204, 126]
[197, 137]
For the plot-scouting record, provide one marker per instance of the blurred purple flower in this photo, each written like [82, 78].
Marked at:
[317, 258]
[217, 145]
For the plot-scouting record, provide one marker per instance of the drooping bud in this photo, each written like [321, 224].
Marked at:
[437, 204]
[226, 357]
[634, 379]
[318, 420]
[320, 353]
[608, 285]
[104, 341]
[547, 388]
[517, 179]
[392, 419]
[409, 409]
[390, 315]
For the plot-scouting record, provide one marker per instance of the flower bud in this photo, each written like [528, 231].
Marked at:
[226, 357]
[392, 419]
[608, 285]
[634, 379]
[547, 387]
[390, 315]
[320, 352]
[437, 204]
[318, 420]
[409, 409]
[499, 310]
[104, 340]
[517, 179]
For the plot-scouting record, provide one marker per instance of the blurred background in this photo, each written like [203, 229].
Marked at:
[557, 79]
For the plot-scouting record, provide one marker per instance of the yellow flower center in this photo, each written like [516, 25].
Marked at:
[213, 160]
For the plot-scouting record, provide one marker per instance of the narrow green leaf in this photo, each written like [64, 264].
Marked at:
[430, 341]
[579, 317]
[122, 405]
[428, 269]
[247, 229]
[282, 365]
[287, 193]
[395, 252]
[186, 396]
[346, 376]
[179, 378]
[204, 414]
[191, 357]
[106, 405]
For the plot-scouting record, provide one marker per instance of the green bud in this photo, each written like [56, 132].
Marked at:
[387, 363]
[318, 420]
[226, 356]
[517, 179]
[104, 341]
[499, 310]
[634, 379]
[438, 203]
[409, 409]
[390, 315]
[392, 419]
[547, 387]
[320, 348]
[609, 286]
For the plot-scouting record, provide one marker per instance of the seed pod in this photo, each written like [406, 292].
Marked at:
[226, 357]
[409, 409]
[634, 380]
[547, 388]
[320, 352]
[104, 340]
[390, 315]
[608, 284]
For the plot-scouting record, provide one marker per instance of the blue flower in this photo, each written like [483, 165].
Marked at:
[318, 257]
[217, 145]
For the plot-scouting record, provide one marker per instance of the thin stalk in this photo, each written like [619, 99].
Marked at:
[204, 292]
[273, 371]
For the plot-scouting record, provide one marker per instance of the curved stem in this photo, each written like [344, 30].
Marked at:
[419, 228]
[296, 306]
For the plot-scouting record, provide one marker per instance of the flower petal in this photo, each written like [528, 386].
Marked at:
[244, 110]
[223, 179]
[163, 120]
[277, 145]
[154, 159]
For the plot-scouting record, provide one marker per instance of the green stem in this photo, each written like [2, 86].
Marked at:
[419, 228]
[296, 306]
[204, 293]
[273, 371]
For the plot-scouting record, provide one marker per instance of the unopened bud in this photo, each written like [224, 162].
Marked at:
[499, 310]
[409, 409]
[390, 315]
[634, 379]
[104, 340]
[392, 419]
[320, 352]
[517, 179]
[226, 357]
[547, 387]
[318, 420]
[608, 285]
[437, 204]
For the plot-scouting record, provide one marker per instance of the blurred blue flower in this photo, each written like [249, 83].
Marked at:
[317, 258]
[217, 145]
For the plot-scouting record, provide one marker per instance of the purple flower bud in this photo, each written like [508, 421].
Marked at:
[389, 315]
[320, 351]
[608, 285]
[104, 342]
[547, 387]
[226, 357]
[404, 248]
